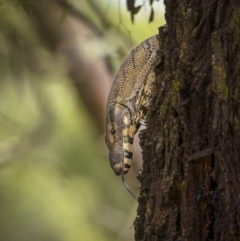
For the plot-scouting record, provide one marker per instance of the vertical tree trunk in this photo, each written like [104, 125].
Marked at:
[191, 148]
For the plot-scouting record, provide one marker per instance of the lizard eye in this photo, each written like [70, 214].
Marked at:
[113, 131]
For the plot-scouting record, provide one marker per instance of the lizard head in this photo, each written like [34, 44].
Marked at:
[119, 138]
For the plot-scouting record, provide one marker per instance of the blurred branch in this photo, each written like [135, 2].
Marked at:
[69, 8]
[72, 39]
[94, 6]
[100, 14]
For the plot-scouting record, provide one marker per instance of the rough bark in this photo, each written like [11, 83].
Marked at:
[191, 148]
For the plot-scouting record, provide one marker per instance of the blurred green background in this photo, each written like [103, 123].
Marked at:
[55, 179]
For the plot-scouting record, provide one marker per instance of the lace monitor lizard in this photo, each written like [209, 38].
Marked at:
[128, 102]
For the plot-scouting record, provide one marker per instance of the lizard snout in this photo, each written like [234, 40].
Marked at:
[116, 160]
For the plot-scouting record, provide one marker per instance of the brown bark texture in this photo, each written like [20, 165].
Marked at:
[191, 147]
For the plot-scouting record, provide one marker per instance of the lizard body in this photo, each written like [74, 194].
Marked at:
[128, 102]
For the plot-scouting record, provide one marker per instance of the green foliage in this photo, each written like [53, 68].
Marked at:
[55, 178]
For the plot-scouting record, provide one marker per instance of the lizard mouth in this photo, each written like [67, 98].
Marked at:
[117, 169]
[116, 162]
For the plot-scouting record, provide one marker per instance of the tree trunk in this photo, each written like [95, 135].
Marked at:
[191, 147]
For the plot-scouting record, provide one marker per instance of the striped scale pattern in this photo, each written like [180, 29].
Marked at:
[128, 102]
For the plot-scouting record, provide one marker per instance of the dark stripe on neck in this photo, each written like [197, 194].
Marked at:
[128, 154]
[128, 139]
[127, 166]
